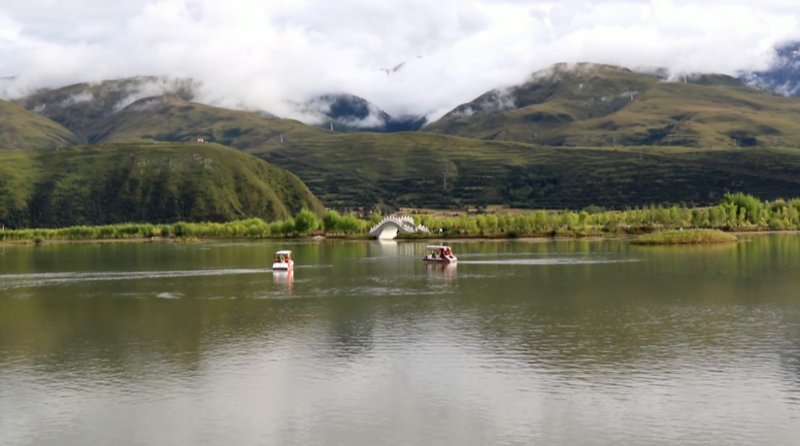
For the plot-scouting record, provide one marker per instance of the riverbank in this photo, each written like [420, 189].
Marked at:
[461, 239]
[735, 213]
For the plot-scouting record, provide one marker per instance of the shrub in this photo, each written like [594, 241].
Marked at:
[305, 221]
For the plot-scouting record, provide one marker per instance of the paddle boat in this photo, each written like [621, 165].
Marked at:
[439, 254]
[283, 261]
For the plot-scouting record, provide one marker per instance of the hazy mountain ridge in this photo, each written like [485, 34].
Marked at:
[83, 107]
[601, 105]
[564, 95]
[175, 120]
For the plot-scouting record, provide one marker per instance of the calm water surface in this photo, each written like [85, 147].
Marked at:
[565, 342]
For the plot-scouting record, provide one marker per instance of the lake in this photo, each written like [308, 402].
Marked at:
[522, 342]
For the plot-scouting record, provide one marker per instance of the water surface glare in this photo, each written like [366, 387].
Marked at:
[558, 343]
[548, 261]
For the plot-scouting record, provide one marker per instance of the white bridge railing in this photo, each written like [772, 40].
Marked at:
[390, 226]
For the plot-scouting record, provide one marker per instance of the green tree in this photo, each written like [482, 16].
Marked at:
[351, 223]
[305, 221]
[748, 207]
[332, 221]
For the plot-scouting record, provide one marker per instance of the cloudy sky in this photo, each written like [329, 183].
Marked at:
[266, 53]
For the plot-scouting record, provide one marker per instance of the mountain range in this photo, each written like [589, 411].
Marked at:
[601, 105]
[570, 136]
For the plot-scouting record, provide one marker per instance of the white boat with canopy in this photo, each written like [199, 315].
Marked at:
[439, 254]
[283, 261]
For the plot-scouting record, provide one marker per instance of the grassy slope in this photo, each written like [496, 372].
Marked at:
[605, 106]
[22, 129]
[406, 169]
[348, 170]
[144, 182]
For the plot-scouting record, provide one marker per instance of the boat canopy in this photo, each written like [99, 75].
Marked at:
[284, 252]
[437, 247]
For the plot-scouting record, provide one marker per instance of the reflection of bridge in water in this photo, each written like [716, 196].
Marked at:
[389, 227]
[390, 248]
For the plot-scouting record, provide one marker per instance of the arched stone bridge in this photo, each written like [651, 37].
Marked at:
[390, 226]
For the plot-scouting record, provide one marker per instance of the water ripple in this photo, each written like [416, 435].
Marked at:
[8, 281]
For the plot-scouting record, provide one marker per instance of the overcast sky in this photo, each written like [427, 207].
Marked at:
[264, 53]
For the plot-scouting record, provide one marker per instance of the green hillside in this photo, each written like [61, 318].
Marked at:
[20, 129]
[155, 109]
[144, 183]
[599, 105]
[569, 138]
[84, 107]
[361, 170]
[429, 170]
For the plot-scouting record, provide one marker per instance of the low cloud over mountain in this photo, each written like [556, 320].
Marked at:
[348, 112]
[783, 76]
[270, 55]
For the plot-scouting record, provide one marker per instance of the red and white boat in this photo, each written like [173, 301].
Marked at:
[439, 254]
[283, 261]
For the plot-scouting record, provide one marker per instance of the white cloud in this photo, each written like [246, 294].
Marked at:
[264, 55]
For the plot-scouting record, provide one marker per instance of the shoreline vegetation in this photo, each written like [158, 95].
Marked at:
[687, 237]
[735, 213]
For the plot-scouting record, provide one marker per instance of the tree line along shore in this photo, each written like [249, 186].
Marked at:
[735, 212]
